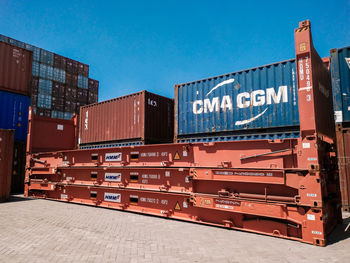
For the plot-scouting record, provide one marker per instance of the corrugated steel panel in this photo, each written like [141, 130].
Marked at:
[15, 69]
[262, 99]
[340, 69]
[14, 113]
[6, 151]
[141, 116]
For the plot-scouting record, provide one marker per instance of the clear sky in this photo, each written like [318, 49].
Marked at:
[152, 45]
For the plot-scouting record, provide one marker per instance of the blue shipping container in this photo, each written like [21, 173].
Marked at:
[14, 113]
[340, 69]
[260, 101]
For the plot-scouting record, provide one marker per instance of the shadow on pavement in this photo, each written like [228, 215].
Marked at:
[339, 233]
[19, 198]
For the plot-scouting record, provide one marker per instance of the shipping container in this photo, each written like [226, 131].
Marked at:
[59, 62]
[343, 151]
[15, 69]
[18, 168]
[93, 85]
[140, 116]
[6, 152]
[340, 69]
[48, 134]
[255, 103]
[14, 113]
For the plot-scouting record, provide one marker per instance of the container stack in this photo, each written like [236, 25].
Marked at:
[253, 152]
[55, 86]
[59, 85]
[15, 80]
[340, 68]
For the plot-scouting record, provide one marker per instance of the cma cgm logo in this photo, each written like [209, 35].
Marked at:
[112, 197]
[113, 177]
[113, 157]
[243, 100]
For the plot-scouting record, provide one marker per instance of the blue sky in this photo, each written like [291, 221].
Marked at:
[152, 45]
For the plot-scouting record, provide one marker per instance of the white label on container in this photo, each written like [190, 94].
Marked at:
[184, 153]
[316, 232]
[69, 178]
[338, 115]
[167, 173]
[348, 108]
[311, 217]
[348, 61]
[312, 159]
[184, 204]
[63, 196]
[311, 195]
[60, 127]
[113, 177]
[112, 197]
[306, 145]
[113, 157]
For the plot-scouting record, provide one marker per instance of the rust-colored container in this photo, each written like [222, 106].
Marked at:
[71, 79]
[141, 116]
[34, 85]
[49, 134]
[83, 69]
[59, 62]
[343, 148]
[58, 89]
[15, 69]
[327, 62]
[18, 168]
[6, 152]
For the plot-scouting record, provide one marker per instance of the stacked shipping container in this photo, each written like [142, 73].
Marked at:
[59, 85]
[139, 118]
[56, 86]
[340, 69]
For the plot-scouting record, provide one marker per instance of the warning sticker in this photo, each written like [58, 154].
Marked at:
[348, 61]
[177, 156]
[177, 206]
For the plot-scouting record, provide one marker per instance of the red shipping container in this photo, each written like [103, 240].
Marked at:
[6, 154]
[48, 134]
[70, 106]
[93, 85]
[343, 149]
[82, 95]
[71, 79]
[59, 62]
[70, 92]
[72, 66]
[15, 69]
[83, 69]
[43, 112]
[58, 89]
[141, 116]
[92, 98]
[34, 99]
[34, 85]
[18, 168]
[57, 103]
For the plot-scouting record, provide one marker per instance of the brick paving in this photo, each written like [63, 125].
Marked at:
[47, 231]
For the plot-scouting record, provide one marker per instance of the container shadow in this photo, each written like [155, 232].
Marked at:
[339, 233]
[20, 198]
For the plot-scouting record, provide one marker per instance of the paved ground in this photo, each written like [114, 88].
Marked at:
[48, 231]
